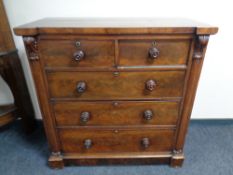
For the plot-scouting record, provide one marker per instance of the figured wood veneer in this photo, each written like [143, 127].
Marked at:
[116, 90]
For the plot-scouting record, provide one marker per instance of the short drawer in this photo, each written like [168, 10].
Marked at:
[116, 113]
[116, 85]
[151, 53]
[116, 140]
[77, 53]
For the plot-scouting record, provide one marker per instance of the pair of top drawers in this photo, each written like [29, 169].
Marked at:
[109, 53]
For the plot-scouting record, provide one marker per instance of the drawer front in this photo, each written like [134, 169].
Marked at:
[116, 113]
[115, 140]
[66, 53]
[145, 52]
[106, 85]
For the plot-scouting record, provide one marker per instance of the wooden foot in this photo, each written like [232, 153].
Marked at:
[177, 159]
[56, 160]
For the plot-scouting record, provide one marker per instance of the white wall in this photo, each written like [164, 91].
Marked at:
[215, 92]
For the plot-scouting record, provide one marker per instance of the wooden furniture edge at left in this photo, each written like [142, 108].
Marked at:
[12, 73]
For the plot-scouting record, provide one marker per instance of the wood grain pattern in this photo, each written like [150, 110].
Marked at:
[135, 158]
[6, 39]
[105, 85]
[116, 113]
[135, 52]
[191, 91]
[114, 26]
[60, 53]
[42, 94]
[115, 140]
[111, 104]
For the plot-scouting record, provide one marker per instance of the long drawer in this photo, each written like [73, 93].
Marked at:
[116, 113]
[115, 140]
[116, 85]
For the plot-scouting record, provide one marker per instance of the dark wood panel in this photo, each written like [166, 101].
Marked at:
[151, 158]
[136, 52]
[14, 77]
[61, 53]
[116, 113]
[116, 85]
[115, 140]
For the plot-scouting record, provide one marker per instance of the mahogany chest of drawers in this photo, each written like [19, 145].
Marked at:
[116, 90]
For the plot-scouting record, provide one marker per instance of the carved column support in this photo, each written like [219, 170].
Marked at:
[31, 45]
[201, 43]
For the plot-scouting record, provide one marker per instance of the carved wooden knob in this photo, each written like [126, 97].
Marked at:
[84, 117]
[153, 53]
[150, 85]
[81, 87]
[148, 114]
[87, 143]
[145, 142]
[79, 55]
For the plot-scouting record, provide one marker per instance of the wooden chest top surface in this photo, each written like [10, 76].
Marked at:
[114, 26]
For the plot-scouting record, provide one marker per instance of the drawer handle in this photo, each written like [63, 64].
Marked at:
[79, 55]
[153, 53]
[151, 85]
[81, 87]
[145, 142]
[148, 114]
[87, 143]
[84, 117]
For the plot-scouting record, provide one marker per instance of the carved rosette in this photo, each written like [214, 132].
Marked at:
[201, 43]
[31, 45]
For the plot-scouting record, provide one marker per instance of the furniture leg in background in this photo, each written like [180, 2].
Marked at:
[13, 74]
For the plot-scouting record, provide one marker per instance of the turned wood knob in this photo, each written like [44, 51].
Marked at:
[145, 142]
[153, 53]
[148, 114]
[150, 85]
[79, 55]
[81, 87]
[87, 143]
[85, 116]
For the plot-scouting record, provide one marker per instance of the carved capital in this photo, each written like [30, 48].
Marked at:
[31, 45]
[203, 40]
[201, 43]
